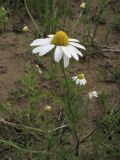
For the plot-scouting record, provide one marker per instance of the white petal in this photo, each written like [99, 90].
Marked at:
[51, 35]
[95, 95]
[39, 70]
[74, 52]
[77, 45]
[94, 92]
[78, 52]
[90, 96]
[58, 54]
[66, 60]
[85, 81]
[45, 49]
[77, 81]
[73, 40]
[67, 51]
[82, 82]
[74, 78]
[41, 42]
[36, 50]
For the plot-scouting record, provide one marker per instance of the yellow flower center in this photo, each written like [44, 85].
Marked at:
[60, 39]
[80, 76]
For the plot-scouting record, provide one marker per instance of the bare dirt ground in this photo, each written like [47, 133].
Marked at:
[12, 64]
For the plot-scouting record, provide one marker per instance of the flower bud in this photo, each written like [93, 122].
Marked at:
[82, 5]
[3, 9]
[25, 29]
[48, 108]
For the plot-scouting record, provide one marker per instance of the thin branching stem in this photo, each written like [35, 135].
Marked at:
[28, 11]
[77, 21]
[98, 19]
[84, 139]
[14, 125]
[71, 112]
[14, 145]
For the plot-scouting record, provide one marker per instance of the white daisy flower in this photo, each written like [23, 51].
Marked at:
[92, 94]
[64, 47]
[80, 79]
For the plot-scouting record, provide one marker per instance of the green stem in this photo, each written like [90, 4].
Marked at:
[68, 90]
[94, 34]
[98, 19]
[71, 112]
[75, 25]
[27, 9]
[14, 145]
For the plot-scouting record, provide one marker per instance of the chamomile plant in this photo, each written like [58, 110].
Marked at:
[63, 47]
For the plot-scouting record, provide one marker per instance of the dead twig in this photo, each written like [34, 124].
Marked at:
[84, 139]
[110, 50]
[14, 125]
